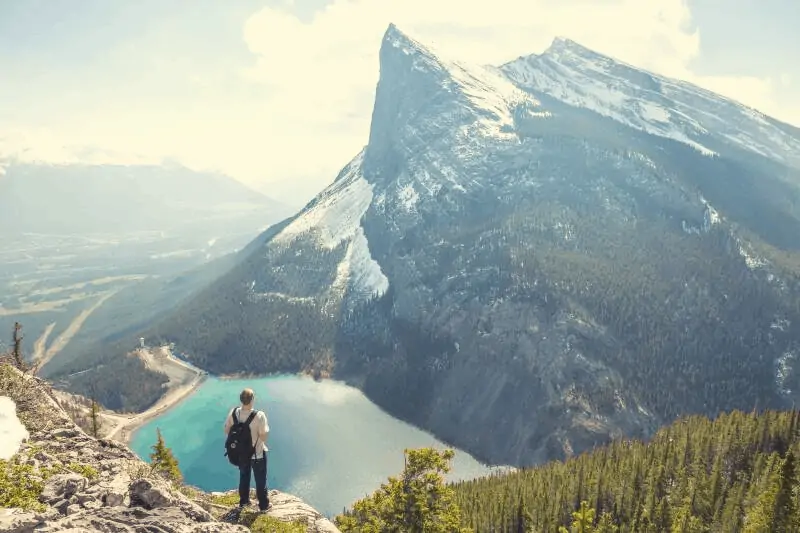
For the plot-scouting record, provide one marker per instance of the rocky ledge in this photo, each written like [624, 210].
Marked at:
[85, 484]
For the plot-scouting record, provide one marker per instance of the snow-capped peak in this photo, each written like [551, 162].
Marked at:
[483, 90]
[420, 89]
[561, 44]
[395, 38]
[578, 76]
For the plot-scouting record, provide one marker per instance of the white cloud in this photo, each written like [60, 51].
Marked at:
[327, 68]
[311, 83]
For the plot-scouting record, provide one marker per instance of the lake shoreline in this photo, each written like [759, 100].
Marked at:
[128, 425]
[184, 380]
[311, 453]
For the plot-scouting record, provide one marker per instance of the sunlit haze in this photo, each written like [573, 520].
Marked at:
[279, 95]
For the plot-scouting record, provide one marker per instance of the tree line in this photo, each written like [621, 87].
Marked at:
[736, 473]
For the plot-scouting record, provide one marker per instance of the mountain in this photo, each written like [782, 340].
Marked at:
[530, 260]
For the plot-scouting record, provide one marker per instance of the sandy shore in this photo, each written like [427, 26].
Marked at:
[183, 381]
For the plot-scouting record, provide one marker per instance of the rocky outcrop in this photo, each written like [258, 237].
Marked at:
[289, 508]
[86, 484]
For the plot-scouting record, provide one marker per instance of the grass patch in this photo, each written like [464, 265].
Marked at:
[188, 491]
[87, 471]
[260, 523]
[20, 487]
[225, 499]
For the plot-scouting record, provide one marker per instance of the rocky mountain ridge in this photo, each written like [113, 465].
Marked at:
[522, 274]
[88, 484]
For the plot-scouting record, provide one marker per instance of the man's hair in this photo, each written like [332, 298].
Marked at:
[246, 397]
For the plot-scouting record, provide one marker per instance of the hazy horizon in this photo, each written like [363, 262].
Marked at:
[238, 88]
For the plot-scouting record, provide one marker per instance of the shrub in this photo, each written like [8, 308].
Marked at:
[20, 487]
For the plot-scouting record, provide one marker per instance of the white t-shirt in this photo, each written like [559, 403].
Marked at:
[259, 428]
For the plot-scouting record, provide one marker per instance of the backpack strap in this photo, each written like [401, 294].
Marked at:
[233, 415]
[251, 417]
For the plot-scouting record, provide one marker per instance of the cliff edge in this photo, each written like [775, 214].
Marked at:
[62, 479]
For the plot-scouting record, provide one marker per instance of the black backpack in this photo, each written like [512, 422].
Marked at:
[239, 444]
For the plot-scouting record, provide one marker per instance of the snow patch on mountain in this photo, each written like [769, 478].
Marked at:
[648, 102]
[367, 277]
[783, 367]
[336, 217]
[603, 94]
[337, 213]
[486, 90]
[358, 275]
[408, 197]
[752, 260]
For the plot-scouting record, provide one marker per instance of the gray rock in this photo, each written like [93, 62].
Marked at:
[47, 458]
[72, 509]
[17, 521]
[64, 433]
[62, 486]
[136, 520]
[150, 494]
[94, 504]
[84, 498]
[113, 499]
[61, 506]
[289, 508]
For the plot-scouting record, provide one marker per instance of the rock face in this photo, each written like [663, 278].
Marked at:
[288, 508]
[101, 485]
[532, 259]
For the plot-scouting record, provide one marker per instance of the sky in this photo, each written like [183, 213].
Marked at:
[278, 93]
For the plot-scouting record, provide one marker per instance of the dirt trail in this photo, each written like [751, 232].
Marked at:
[73, 328]
[41, 343]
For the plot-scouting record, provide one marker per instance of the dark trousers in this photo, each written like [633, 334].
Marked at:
[259, 468]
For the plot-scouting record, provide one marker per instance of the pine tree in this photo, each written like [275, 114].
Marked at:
[95, 418]
[418, 501]
[163, 461]
[606, 524]
[784, 512]
[17, 350]
[523, 519]
[582, 520]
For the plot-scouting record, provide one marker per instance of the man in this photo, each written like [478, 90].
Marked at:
[259, 431]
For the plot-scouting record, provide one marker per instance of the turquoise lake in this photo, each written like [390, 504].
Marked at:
[328, 443]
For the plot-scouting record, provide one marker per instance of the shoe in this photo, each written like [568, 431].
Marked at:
[269, 507]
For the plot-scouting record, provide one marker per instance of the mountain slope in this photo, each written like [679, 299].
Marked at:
[523, 276]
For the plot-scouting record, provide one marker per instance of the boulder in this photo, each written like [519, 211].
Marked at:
[62, 486]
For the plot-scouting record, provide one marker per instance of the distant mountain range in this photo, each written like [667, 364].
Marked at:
[530, 259]
[92, 250]
[91, 199]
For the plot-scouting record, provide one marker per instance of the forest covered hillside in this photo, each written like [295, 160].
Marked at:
[736, 473]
